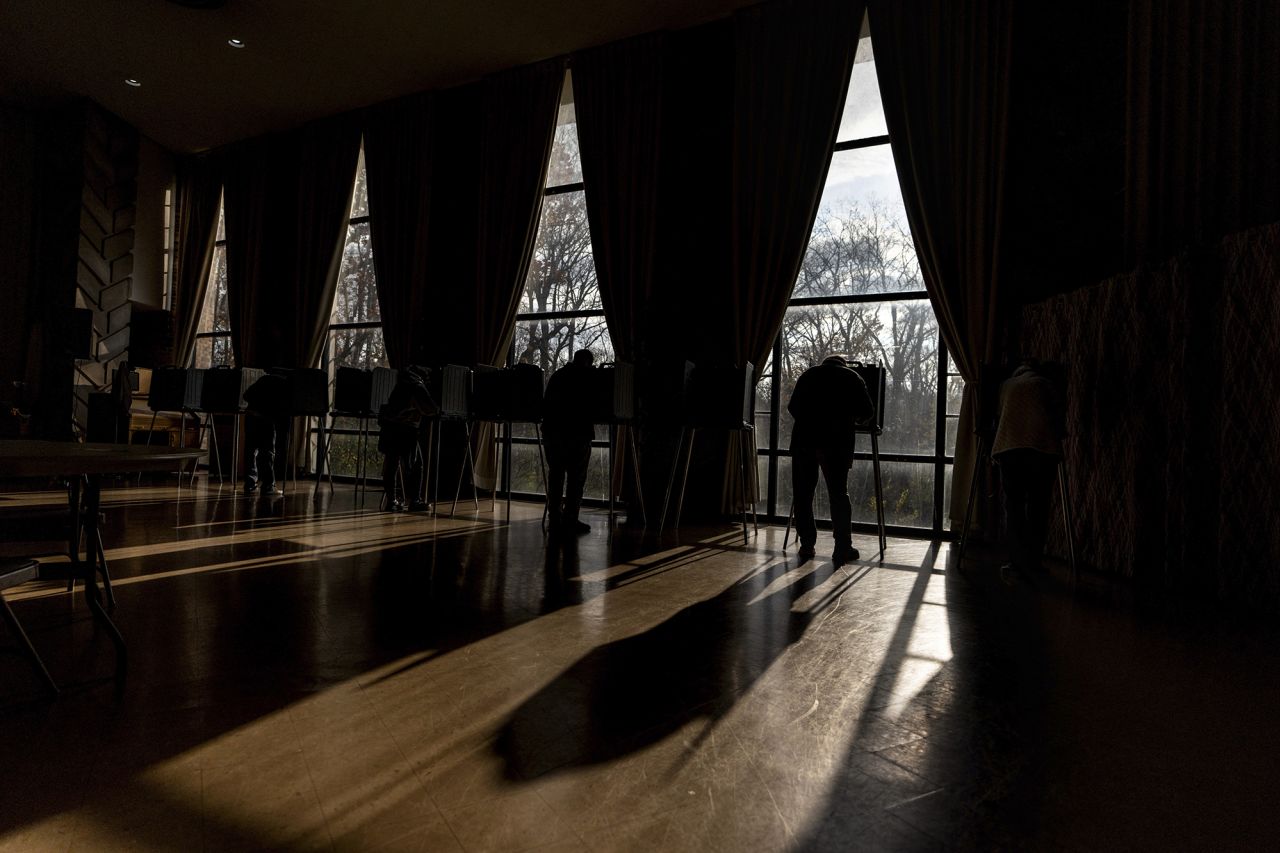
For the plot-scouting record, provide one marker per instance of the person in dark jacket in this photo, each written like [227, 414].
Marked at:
[1027, 449]
[568, 430]
[266, 432]
[829, 402]
[399, 428]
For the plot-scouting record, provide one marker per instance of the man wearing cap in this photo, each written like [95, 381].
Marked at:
[829, 402]
[569, 430]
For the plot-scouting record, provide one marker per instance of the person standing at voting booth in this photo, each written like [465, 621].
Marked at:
[400, 425]
[829, 403]
[1027, 448]
[568, 428]
[266, 431]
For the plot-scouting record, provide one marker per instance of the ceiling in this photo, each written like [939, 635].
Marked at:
[302, 59]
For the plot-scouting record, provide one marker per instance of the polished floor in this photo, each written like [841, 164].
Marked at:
[309, 674]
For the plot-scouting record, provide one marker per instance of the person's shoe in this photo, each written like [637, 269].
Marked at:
[808, 552]
[250, 488]
[844, 555]
[420, 506]
[272, 491]
[578, 527]
[395, 506]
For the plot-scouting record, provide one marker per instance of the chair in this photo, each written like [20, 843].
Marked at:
[15, 571]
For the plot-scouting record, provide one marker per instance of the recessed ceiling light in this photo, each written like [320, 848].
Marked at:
[131, 82]
[235, 42]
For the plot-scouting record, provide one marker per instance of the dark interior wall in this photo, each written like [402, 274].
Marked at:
[1174, 419]
[155, 176]
[1066, 147]
[67, 233]
[19, 232]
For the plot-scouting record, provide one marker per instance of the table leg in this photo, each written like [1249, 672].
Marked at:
[89, 519]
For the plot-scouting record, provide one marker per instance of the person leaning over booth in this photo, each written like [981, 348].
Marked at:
[828, 404]
[568, 428]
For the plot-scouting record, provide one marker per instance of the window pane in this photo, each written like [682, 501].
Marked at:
[356, 298]
[908, 492]
[526, 473]
[565, 166]
[213, 351]
[860, 241]
[362, 348]
[550, 344]
[953, 426]
[903, 336]
[764, 404]
[344, 453]
[360, 195]
[955, 393]
[562, 273]
[946, 498]
[863, 111]
[214, 315]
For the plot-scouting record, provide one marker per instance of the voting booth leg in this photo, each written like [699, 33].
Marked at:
[671, 479]
[742, 454]
[875, 464]
[635, 469]
[1065, 495]
[426, 466]
[608, 477]
[471, 466]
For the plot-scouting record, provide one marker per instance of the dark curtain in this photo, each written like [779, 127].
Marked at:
[247, 184]
[944, 70]
[327, 155]
[617, 96]
[286, 203]
[1203, 125]
[793, 59]
[792, 64]
[199, 189]
[519, 126]
[447, 326]
[397, 156]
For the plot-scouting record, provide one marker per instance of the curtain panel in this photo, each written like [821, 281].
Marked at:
[944, 69]
[617, 96]
[1202, 125]
[198, 191]
[327, 155]
[398, 158]
[286, 206]
[792, 65]
[519, 127]
[247, 171]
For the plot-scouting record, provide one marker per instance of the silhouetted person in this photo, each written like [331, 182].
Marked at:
[400, 423]
[1028, 447]
[568, 430]
[266, 432]
[829, 402]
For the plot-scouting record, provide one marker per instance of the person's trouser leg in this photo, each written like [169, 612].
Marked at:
[835, 471]
[579, 460]
[258, 437]
[1027, 477]
[804, 482]
[556, 471]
